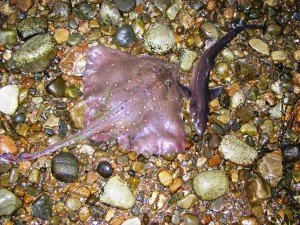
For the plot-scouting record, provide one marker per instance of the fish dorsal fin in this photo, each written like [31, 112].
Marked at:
[215, 92]
[185, 90]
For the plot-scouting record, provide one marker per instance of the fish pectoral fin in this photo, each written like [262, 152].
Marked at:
[215, 92]
[184, 89]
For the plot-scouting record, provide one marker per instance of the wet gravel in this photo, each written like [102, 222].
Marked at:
[248, 159]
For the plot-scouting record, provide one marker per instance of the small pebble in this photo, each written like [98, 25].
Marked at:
[165, 178]
[73, 204]
[105, 169]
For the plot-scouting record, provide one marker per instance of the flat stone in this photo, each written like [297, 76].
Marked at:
[9, 202]
[74, 60]
[32, 26]
[270, 168]
[117, 194]
[9, 99]
[61, 35]
[8, 36]
[187, 201]
[42, 207]
[259, 46]
[236, 151]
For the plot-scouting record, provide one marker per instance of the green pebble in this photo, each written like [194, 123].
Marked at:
[9, 202]
[8, 36]
[36, 54]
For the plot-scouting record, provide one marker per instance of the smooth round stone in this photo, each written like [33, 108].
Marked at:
[42, 207]
[190, 219]
[125, 5]
[249, 129]
[165, 178]
[5, 166]
[36, 54]
[9, 202]
[109, 14]
[92, 200]
[19, 118]
[236, 151]
[73, 204]
[210, 185]
[170, 156]
[9, 99]
[132, 221]
[155, 42]
[125, 36]
[57, 87]
[65, 167]
[117, 194]
[60, 11]
[105, 169]
[32, 26]
[8, 36]
[274, 30]
[84, 11]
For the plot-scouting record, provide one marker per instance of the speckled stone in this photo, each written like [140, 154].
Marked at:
[236, 151]
[157, 43]
[36, 54]
[32, 26]
[210, 185]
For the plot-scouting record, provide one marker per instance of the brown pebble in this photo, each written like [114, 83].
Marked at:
[92, 177]
[214, 161]
[61, 35]
[228, 13]
[248, 221]
[211, 5]
[82, 191]
[27, 82]
[165, 178]
[176, 185]
[7, 145]
[132, 156]
[24, 5]
[24, 166]
[137, 166]
[27, 199]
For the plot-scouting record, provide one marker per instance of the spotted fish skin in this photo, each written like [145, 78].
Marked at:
[134, 98]
[140, 98]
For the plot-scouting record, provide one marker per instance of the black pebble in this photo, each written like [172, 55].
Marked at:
[105, 169]
[64, 167]
[125, 5]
